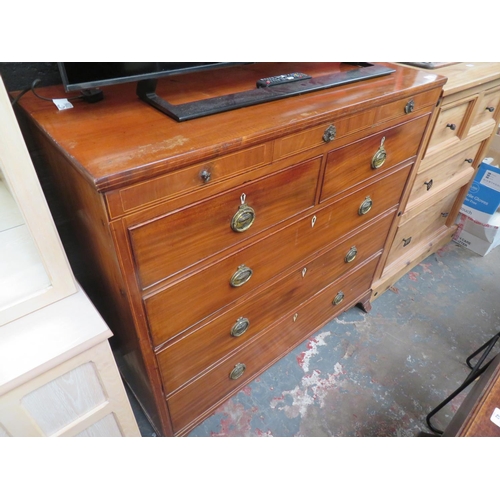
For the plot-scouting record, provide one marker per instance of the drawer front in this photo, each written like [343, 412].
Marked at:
[348, 166]
[488, 107]
[193, 353]
[177, 307]
[203, 393]
[322, 134]
[160, 248]
[417, 229]
[452, 124]
[187, 179]
[432, 179]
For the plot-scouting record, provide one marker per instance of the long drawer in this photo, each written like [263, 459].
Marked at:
[176, 307]
[159, 245]
[203, 393]
[363, 160]
[193, 353]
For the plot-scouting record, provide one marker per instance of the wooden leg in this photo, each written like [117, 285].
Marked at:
[364, 304]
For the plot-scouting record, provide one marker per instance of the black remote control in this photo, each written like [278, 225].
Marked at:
[278, 80]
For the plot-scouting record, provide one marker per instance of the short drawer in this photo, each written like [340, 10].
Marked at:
[488, 107]
[187, 179]
[176, 307]
[170, 243]
[194, 353]
[452, 124]
[417, 229]
[234, 372]
[336, 129]
[362, 160]
[433, 179]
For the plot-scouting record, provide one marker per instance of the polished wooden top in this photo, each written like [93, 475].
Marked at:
[121, 140]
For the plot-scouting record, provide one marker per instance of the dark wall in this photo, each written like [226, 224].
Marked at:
[18, 75]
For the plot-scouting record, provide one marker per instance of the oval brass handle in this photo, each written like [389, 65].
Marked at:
[380, 156]
[205, 175]
[490, 109]
[451, 126]
[351, 254]
[338, 298]
[406, 241]
[241, 276]
[429, 184]
[410, 106]
[469, 160]
[330, 133]
[244, 217]
[366, 206]
[240, 327]
[237, 371]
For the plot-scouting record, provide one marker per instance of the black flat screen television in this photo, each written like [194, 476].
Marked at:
[86, 76]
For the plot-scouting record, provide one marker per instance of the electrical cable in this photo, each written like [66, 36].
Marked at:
[32, 88]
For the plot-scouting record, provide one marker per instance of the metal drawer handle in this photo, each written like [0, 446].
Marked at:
[205, 176]
[429, 184]
[351, 254]
[469, 160]
[490, 109]
[366, 206]
[406, 241]
[338, 298]
[237, 371]
[380, 156]
[330, 133]
[244, 217]
[241, 276]
[451, 126]
[410, 106]
[240, 327]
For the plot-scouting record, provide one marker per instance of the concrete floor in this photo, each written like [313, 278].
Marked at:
[376, 374]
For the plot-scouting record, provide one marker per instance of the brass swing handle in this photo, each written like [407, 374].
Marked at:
[244, 216]
[380, 156]
[241, 276]
[366, 206]
[237, 371]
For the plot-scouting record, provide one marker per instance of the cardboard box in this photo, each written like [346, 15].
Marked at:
[482, 202]
[478, 237]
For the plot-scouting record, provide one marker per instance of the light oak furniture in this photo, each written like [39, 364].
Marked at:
[58, 376]
[467, 119]
[214, 246]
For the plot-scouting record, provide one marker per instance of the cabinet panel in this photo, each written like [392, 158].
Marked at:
[488, 107]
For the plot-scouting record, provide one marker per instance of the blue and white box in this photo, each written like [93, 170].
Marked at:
[483, 199]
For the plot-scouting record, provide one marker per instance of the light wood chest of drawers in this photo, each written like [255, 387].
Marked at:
[466, 120]
[214, 247]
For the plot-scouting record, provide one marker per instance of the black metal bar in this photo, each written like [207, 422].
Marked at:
[146, 90]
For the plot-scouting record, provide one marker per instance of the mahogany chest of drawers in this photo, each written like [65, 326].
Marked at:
[213, 247]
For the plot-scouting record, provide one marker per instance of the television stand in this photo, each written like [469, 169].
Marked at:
[146, 90]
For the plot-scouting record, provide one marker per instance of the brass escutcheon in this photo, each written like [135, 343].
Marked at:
[237, 371]
[330, 133]
[241, 276]
[338, 298]
[240, 327]
[244, 217]
[351, 254]
[366, 206]
[380, 156]
[410, 106]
